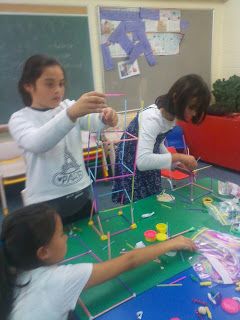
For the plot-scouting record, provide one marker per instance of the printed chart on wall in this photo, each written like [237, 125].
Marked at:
[144, 51]
[130, 33]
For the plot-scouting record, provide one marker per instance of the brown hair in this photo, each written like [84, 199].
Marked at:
[32, 70]
[181, 95]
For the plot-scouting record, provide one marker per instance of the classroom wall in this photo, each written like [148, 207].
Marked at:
[219, 15]
[231, 43]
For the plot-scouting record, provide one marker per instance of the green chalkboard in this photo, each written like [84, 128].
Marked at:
[64, 37]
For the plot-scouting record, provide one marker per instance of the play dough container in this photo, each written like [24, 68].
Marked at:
[150, 235]
[161, 227]
[161, 236]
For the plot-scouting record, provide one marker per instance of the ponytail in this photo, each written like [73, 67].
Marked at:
[23, 232]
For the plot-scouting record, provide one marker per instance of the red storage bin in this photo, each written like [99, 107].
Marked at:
[216, 140]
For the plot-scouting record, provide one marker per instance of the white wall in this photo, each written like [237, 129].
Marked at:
[217, 5]
[231, 39]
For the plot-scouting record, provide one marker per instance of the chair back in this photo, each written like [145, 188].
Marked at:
[176, 138]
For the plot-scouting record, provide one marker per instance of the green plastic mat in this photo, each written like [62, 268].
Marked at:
[179, 215]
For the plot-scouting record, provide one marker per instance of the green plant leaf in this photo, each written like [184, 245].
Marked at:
[227, 95]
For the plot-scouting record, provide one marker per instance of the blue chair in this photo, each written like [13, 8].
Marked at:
[175, 138]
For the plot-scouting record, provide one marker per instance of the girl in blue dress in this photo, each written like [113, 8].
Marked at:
[187, 100]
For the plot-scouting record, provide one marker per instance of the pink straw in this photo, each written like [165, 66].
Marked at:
[175, 281]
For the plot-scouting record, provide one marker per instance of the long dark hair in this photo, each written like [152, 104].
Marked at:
[181, 94]
[32, 70]
[23, 232]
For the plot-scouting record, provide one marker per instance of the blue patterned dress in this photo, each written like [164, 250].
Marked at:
[146, 183]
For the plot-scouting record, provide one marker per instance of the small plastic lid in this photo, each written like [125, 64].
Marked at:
[161, 236]
[150, 234]
[161, 227]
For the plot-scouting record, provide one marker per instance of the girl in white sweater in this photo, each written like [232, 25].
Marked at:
[48, 130]
[187, 100]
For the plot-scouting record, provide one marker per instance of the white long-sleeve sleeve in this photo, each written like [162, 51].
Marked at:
[163, 148]
[46, 135]
[39, 139]
[52, 146]
[151, 124]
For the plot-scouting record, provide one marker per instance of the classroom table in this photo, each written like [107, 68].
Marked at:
[139, 285]
[164, 303]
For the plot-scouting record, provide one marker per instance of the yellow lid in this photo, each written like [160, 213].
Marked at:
[161, 236]
[161, 227]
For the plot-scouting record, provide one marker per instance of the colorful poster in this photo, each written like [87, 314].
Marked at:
[130, 33]
[165, 43]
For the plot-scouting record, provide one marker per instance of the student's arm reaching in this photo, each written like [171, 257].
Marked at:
[109, 269]
[146, 159]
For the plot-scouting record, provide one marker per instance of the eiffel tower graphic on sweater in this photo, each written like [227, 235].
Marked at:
[70, 173]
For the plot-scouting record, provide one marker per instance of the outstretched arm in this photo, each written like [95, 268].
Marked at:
[109, 269]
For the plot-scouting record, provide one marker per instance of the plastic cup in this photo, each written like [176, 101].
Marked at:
[150, 235]
[161, 227]
[161, 236]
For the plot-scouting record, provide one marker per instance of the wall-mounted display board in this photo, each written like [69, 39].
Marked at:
[147, 81]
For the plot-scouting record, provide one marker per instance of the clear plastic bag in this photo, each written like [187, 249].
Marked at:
[226, 212]
[228, 188]
[219, 256]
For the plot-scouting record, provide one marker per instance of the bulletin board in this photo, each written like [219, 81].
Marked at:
[56, 31]
[194, 57]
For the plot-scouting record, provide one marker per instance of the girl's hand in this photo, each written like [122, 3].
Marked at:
[182, 243]
[91, 102]
[189, 162]
[109, 117]
[182, 166]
